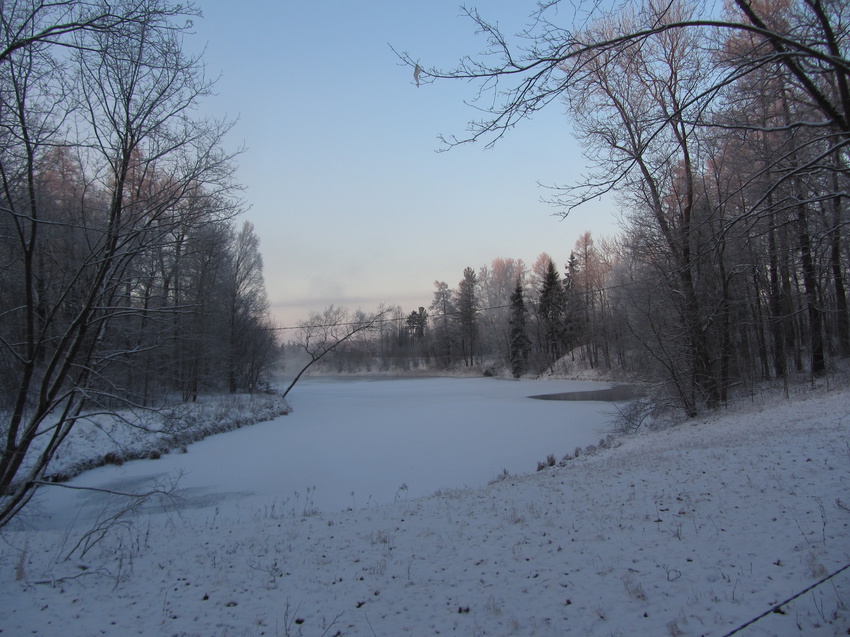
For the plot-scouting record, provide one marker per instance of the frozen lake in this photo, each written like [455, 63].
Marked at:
[355, 443]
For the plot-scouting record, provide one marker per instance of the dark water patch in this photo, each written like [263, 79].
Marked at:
[611, 395]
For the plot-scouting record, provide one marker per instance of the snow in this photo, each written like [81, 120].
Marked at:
[693, 530]
[100, 437]
[358, 441]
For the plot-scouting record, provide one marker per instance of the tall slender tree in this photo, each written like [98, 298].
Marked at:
[551, 310]
[519, 341]
[466, 316]
[251, 340]
[442, 317]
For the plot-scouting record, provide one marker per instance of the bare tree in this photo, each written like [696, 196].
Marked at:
[27, 25]
[724, 133]
[442, 320]
[526, 78]
[251, 339]
[466, 302]
[121, 101]
[497, 283]
[324, 332]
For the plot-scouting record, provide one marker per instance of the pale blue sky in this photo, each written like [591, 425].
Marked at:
[351, 202]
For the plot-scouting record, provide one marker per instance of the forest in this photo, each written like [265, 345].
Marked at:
[127, 283]
[723, 140]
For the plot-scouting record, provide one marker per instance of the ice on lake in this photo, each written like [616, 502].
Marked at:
[356, 443]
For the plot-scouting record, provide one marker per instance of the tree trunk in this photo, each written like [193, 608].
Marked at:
[816, 353]
[777, 320]
[842, 318]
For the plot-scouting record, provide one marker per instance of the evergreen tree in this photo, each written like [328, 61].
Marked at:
[520, 343]
[552, 309]
[467, 311]
[442, 308]
[416, 323]
[576, 319]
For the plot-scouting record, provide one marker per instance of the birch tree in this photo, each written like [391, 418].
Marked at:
[324, 332]
[723, 133]
[110, 82]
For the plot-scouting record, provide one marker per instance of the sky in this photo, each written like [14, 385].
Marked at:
[351, 201]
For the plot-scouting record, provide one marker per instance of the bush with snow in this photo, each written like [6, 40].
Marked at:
[103, 439]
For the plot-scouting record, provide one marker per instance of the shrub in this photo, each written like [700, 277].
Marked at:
[113, 458]
[504, 475]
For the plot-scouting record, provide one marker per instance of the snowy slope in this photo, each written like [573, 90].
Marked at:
[694, 530]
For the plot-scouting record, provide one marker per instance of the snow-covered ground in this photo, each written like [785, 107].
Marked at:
[694, 530]
[104, 439]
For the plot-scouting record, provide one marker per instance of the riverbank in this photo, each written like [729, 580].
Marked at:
[694, 530]
[113, 439]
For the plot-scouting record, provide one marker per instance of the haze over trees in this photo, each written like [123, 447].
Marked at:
[125, 283]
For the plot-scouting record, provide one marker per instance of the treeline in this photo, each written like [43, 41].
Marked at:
[609, 308]
[182, 307]
[125, 283]
[123, 271]
[502, 318]
[723, 133]
[725, 143]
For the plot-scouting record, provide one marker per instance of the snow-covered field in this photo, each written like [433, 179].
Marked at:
[694, 530]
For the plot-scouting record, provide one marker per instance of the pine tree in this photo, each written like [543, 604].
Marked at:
[467, 311]
[520, 343]
[551, 311]
[442, 308]
[416, 323]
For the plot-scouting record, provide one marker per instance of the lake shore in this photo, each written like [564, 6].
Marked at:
[696, 529]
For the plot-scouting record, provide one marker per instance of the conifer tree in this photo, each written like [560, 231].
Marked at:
[551, 310]
[442, 308]
[467, 311]
[520, 343]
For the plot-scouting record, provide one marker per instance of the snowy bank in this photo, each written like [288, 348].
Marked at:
[694, 530]
[103, 439]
